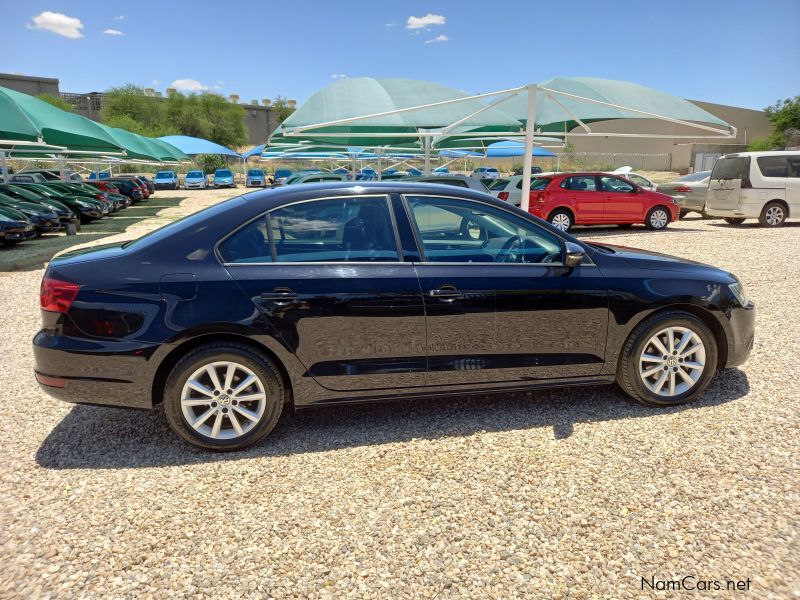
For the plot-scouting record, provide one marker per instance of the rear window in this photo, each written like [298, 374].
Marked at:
[734, 167]
[773, 166]
[699, 176]
[538, 183]
[498, 184]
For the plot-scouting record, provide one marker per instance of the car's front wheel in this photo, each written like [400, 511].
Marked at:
[223, 397]
[657, 218]
[668, 359]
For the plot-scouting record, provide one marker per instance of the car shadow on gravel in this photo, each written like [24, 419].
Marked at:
[597, 232]
[108, 438]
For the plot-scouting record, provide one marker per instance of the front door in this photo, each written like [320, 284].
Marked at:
[623, 202]
[501, 306]
[327, 277]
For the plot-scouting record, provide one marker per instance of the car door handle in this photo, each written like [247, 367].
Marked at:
[280, 296]
[446, 293]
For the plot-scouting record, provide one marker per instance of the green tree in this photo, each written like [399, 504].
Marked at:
[56, 101]
[225, 119]
[784, 116]
[210, 162]
[144, 115]
[281, 106]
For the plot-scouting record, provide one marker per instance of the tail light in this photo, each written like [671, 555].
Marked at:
[503, 196]
[683, 189]
[56, 295]
[100, 196]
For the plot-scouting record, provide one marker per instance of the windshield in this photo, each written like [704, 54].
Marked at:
[194, 174]
[24, 193]
[164, 175]
[255, 173]
[283, 173]
[222, 173]
[699, 176]
[733, 167]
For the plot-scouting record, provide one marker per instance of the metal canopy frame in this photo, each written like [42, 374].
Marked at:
[427, 134]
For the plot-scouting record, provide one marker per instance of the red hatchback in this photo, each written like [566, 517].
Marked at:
[569, 199]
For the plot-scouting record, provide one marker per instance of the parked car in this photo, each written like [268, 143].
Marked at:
[166, 180]
[438, 170]
[297, 315]
[256, 178]
[195, 180]
[414, 172]
[367, 174]
[755, 185]
[89, 191]
[314, 178]
[103, 175]
[224, 178]
[112, 190]
[87, 209]
[44, 219]
[14, 227]
[20, 194]
[141, 184]
[281, 175]
[453, 179]
[568, 199]
[497, 186]
[640, 180]
[486, 173]
[151, 186]
[535, 170]
[689, 191]
[54, 174]
[129, 188]
[26, 178]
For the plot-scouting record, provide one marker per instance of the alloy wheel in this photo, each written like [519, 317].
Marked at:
[774, 215]
[659, 219]
[672, 361]
[223, 400]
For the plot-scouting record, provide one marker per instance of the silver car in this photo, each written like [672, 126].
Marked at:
[452, 179]
[689, 191]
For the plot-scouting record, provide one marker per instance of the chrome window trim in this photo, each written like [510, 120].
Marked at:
[421, 249]
[265, 215]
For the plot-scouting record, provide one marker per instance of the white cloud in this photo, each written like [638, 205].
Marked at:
[119, 17]
[426, 21]
[338, 76]
[189, 85]
[58, 23]
[112, 32]
[437, 39]
[155, 82]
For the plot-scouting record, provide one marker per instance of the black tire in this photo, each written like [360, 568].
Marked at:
[654, 223]
[628, 376]
[772, 215]
[733, 220]
[683, 214]
[563, 217]
[261, 367]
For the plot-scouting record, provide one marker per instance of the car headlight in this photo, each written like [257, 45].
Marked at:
[737, 289]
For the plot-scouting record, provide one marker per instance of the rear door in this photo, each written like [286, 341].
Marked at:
[793, 185]
[622, 201]
[725, 185]
[327, 276]
[583, 194]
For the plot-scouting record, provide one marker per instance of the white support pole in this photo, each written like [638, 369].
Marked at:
[527, 163]
[61, 167]
[4, 161]
[427, 140]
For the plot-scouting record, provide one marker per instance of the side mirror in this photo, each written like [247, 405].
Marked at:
[573, 254]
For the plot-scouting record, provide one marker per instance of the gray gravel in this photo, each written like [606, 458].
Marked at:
[564, 494]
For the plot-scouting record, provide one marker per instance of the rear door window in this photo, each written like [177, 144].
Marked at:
[773, 166]
[733, 167]
[794, 166]
[615, 184]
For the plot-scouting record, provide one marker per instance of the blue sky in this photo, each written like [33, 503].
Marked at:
[732, 52]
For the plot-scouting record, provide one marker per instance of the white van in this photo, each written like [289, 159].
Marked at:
[755, 185]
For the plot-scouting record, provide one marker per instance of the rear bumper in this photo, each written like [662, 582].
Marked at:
[110, 373]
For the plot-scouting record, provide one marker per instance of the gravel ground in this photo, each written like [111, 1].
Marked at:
[564, 494]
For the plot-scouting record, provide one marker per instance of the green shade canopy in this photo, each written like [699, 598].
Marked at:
[365, 96]
[136, 146]
[553, 110]
[14, 123]
[53, 125]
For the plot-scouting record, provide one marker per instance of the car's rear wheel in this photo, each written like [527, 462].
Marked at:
[733, 220]
[223, 397]
[668, 359]
[561, 219]
[773, 215]
[657, 218]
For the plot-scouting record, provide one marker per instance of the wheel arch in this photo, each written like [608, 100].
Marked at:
[172, 358]
[705, 315]
[565, 208]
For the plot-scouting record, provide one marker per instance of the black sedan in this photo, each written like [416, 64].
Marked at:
[329, 293]
[14, 227]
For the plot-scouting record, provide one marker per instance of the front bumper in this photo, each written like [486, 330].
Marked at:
[741, 336]
[194, 186]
